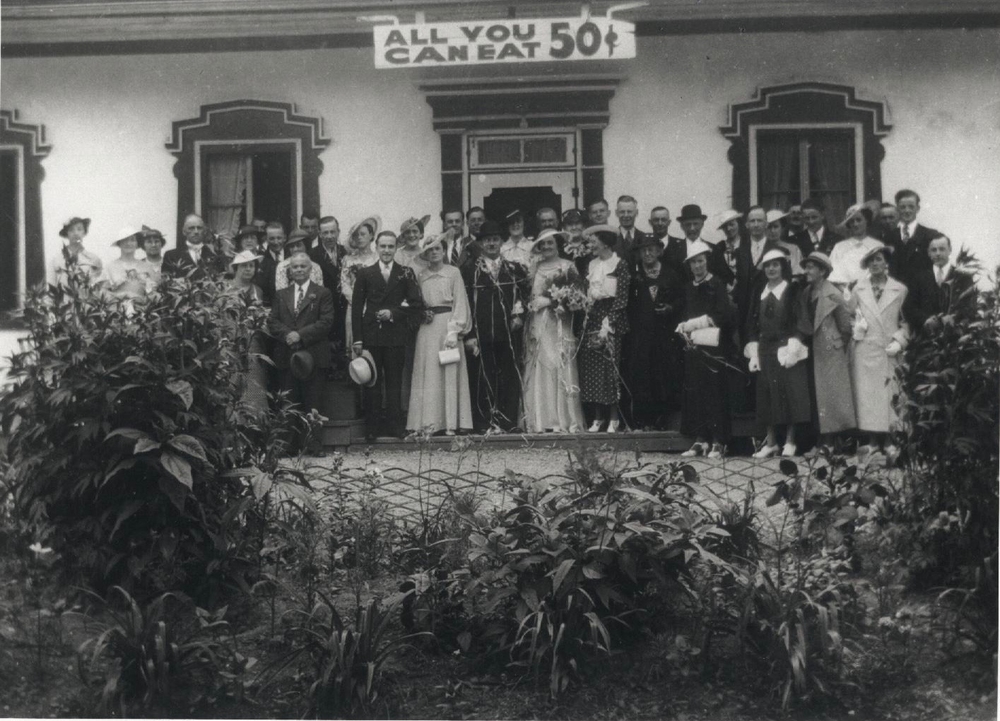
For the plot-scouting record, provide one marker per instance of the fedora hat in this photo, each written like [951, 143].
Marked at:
[244, 256]
[73, 221]
[296, 236]
[549, 234]
[698, 248]
[363, 371]
[820, 259]
[884, 249]
[728, 216]
[410, 222]
[490, 227]
[774, 215]
[302, 364]
[691, 212]
[124, 234]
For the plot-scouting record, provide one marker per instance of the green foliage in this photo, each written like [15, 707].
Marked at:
[155, 658]
[573, 565]
[124, 430]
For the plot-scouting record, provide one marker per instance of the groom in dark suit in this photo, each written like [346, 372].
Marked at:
[386, 299]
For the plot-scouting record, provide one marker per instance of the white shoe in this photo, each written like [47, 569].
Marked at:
[612, 426]
[788, 451]
[718, 451]
[767, 451]
[696, 450]
[595, 427]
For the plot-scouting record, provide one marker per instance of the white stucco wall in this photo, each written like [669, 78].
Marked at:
[108, 119]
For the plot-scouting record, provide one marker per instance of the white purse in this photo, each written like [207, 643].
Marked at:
[448, 356]
[706, 336]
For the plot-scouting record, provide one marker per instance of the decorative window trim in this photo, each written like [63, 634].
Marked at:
[247, 122]
[29, 143]
[802, 106]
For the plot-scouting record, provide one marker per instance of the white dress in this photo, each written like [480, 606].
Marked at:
[551, 381]
[846, 259]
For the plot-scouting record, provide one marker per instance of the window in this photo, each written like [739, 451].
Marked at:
[247, 158]
[522, 151]
[806, 140]
[796, 164]
[22, 251]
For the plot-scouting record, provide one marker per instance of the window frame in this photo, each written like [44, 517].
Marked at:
[21, 244]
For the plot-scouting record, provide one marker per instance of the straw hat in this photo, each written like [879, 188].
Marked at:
[774, 254]
[820, 259]
[884, 249]
[696, 249]
[773, 216]
[126, 233]
[363, 371]
[549, 234]
[727, 216]
[245, 256]
[410, 222]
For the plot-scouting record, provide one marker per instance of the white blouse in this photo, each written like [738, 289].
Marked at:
[600, 283]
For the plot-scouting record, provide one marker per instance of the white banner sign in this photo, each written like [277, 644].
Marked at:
[503, 41]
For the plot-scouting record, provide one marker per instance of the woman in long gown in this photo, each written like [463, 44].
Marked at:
[705, 413]
[880, 336]
[252, 380]
[439, 394]
[600, 356]
[551, 383]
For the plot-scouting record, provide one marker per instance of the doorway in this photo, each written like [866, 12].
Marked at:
[501, 193]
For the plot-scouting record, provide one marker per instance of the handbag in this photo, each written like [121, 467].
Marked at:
[706, 336]
[448, 356]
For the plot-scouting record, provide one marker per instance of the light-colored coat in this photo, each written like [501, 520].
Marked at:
[874, 372]
[831, 333]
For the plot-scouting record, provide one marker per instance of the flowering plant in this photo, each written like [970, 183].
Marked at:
[565, 292]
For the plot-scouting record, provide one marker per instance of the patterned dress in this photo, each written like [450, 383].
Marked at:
[601, 358]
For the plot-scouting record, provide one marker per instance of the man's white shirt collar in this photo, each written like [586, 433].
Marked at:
[943, 272]
[910, 227]
[776, 291]
[304, 286]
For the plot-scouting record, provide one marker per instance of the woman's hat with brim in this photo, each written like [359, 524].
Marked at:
[372, 221]
[595, 229]
[148, 233]
[820, 259]
[696, 249]
[431, 241]
[126, 233]
[302, 364]
[773, 216]
[73, 221]
[691, 212]
[728, 216]
[852, 211]
[774, 254]
[296, 236]
[884, 249]
[549, 234]
[410, 222]
[363, 371]
[244, 256]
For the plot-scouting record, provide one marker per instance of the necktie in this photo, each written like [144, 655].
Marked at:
[906, 233]
[197, 255]
[455, 252]
[938, 274]
[298, 297]
[385, 273]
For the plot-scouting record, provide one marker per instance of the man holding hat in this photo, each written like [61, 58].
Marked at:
[385, 299]
[196, 259]
[295, 244]
[498, 294]
[300, 322]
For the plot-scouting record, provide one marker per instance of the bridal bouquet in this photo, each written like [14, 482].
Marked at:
[566, 292]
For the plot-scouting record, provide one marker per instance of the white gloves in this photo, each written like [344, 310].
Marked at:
[751, 352]
[754, 365]
[695, 324]
[892, 350]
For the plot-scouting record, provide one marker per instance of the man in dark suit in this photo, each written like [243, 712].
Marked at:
[692, 220]
[498, 298]
[300, 320]
[909, 240]
[274, 242]
[940, 289]
[329, 256]
[627, 210]
[816, 235]
[659, 221]
[386, 299]
[458, 248]
[196, 259]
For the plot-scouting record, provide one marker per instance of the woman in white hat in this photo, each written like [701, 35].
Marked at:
[411, 232]
[75, 261]
[775, 349]
[360, 254]
[775, 234]
[551, 382]
[440, 399]
[126, 275]
[847, 254]
[880, 336]
[251, 379]
[830, 322]
[709, 318]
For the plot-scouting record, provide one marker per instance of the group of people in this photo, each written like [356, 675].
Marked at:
[587, 326]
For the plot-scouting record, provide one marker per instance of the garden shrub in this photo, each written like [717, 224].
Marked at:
[126, 441]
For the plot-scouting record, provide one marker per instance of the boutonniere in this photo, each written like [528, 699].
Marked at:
[311, 296]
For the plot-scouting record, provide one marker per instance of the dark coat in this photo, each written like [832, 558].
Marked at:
[331, 281]
[372, 294]
[956, 295]
[749, 283]
[492, 300]
[910, 258]
[312, 322]
[627, 251]
[177, 263]
[266, 274]
[470, 251]
[803, 239]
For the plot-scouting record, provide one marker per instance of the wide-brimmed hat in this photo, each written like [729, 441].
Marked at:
[852, 211]
[372, 221]
[73, 221]
[125, 233]
[774, 254]
[490, 227]
[244, 256]
[363, 371]
[429, 241]
[549, 234]
[297, 236]
[728, 216]
[820, 259]
[697, 248]
[600, 228]
[691, 212]
[772, 216]
[884, 249]
[146, 233]
[247, 230]
[302, 364]
[410, 222]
